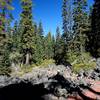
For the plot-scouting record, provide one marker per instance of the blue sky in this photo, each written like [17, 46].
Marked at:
[46, 11]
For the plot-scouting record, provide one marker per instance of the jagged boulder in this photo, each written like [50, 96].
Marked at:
[52, 83]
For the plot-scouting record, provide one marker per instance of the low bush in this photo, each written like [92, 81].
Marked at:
[5, 71]
[84, 66]
[83, 61]
[46, 62]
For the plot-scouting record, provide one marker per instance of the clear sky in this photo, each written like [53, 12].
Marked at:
[46, 11]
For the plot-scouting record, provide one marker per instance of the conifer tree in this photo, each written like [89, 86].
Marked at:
[39, 41]
[67, 27]
[27, 39]
[58, 46]
[5, 6]
[40, 29]
[89, 42]
[49, 54]
[95, 34]
[58, 34]
[65, 20]
[15, 45]
[80, 25]
[35, 29]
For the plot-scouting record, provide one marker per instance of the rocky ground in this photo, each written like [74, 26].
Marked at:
[52, 83]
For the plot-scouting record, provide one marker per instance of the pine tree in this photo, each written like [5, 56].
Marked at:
[95, 34]
[15, 45]
[49, 54]
[80, 25]
[40, 29]
[35, 29]
[89, 41]
[27, 39]
[5, 6]
[67, 19]
[58, 46]
[39, 41]
[67, 27]
[58, 34]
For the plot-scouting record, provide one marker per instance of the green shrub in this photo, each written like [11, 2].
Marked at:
[83, 61]
[5, 71]
[72, 57]
[84, 66]
[46, 62]
[15, 57]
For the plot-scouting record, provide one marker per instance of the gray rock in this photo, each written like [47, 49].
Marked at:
[81, 73]
[62, 98]
[50, 97]
[98, 62]
[61, 92]
[58, 79]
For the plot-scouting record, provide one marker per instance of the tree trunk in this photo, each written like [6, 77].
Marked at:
[27, 59]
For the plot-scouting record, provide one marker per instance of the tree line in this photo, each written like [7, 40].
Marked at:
[25, 42]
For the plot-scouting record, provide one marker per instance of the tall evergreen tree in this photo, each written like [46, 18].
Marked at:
[15, 45]
[89, 43]
[58, 46]
[67, 27]
[95, 34]
[27, 39]
[5, 6]
[40, 29]
[49, 54]
[67, 19]
[39, 41]
[80, 25]
[35, 29]
[58, 34]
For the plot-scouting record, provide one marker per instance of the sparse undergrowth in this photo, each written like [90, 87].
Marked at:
[26, 69]
[84, 66]
[84, 61]
[20, 70]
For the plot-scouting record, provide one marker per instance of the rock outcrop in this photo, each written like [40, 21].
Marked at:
[52, 83]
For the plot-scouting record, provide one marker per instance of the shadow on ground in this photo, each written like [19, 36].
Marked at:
[23, 91]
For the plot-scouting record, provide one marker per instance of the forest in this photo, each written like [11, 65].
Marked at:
[25, 45]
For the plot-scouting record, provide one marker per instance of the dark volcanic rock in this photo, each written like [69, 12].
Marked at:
[52, 83]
